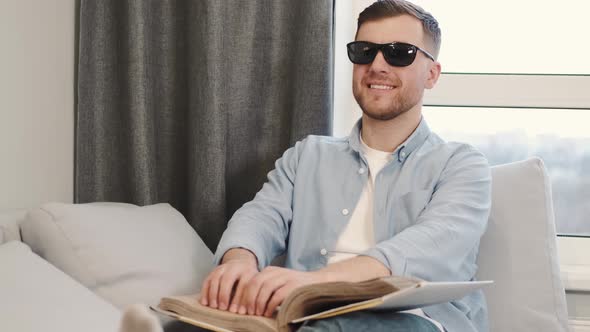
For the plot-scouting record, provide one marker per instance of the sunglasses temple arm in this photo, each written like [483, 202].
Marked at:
[426, 53]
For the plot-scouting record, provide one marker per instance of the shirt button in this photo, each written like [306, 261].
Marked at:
[345, 212]
[361, 170]
[403, 154]
[323, 252]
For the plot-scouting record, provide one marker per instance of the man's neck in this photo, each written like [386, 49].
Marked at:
[388, 135]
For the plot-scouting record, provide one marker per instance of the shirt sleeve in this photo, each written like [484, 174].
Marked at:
[442, 244]
[262, 225]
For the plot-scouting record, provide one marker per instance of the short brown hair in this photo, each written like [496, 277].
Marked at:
[393, 8]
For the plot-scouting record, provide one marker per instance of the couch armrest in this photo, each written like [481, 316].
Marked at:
[36, 296]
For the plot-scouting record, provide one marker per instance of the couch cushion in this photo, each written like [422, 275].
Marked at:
[518, 251]
[35, 296]
[125, 253]
[9, 225]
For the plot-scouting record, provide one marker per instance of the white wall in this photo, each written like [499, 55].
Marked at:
[36, 102]
[346, 110]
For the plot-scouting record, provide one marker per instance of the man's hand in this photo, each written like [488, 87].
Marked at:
[260, 293]
[237, 268]
[267, 289]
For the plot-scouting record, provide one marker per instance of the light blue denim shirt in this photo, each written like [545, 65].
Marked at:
[431, 206]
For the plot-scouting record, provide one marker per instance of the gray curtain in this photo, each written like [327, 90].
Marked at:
[191, 102]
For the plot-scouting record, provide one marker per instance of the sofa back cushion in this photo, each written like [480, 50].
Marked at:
[124, 253]
[518, 251]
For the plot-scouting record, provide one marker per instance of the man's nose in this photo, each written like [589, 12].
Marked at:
[379, 64]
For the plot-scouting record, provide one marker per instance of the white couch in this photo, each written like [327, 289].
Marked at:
[72, 267]
[104, 257]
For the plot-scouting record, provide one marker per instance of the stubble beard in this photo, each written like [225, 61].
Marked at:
[397, 106]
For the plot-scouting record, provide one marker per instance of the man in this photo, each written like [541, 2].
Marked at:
[392, 198]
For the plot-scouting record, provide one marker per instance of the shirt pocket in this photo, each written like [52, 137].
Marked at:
[408, 207]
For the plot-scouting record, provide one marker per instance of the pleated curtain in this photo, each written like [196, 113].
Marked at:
[191, 102]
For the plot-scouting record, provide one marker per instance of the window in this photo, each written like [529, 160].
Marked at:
[512, 117]
[559, 137]
[507, 36]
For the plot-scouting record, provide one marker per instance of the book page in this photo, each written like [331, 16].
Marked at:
[341, 310]
[415, 295]
[312, 299]
[190, 310]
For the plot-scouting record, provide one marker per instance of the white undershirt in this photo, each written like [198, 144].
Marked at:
[358, 235]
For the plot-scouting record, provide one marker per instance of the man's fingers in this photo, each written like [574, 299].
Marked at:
[253, 288]
[226, 286]
[277, 298]
[236, 301]
[213, 291]
[267, 290]
[246, 291]
[218, 288]
[205, 291]
[249, 297]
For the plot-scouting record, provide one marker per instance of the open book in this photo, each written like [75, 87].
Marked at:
[320, 301]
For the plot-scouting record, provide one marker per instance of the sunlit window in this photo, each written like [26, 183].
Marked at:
[560, 137]
[513, 36]
[541, 40]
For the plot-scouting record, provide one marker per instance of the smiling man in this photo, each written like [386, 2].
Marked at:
[392, 198]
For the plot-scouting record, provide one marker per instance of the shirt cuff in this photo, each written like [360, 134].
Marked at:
[222, 249]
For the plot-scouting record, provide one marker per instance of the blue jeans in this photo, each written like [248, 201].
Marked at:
[372, 321]
[359, 321]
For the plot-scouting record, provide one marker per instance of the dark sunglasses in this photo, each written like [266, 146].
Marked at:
[396, 54]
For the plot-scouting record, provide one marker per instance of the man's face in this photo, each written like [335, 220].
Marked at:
[383, 91]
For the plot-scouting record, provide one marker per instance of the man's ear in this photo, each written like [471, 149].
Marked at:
[433, 74]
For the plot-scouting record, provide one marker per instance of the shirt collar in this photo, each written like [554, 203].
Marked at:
[403, 150]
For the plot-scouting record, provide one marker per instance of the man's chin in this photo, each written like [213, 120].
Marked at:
[380, 116]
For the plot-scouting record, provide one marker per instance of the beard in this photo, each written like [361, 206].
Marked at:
[384, 110]
[386, 106]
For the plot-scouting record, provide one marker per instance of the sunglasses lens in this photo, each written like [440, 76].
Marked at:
[399, 54]
[362, 53]
[396, 54]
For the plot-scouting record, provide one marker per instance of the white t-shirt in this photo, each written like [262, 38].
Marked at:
[358, 235]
